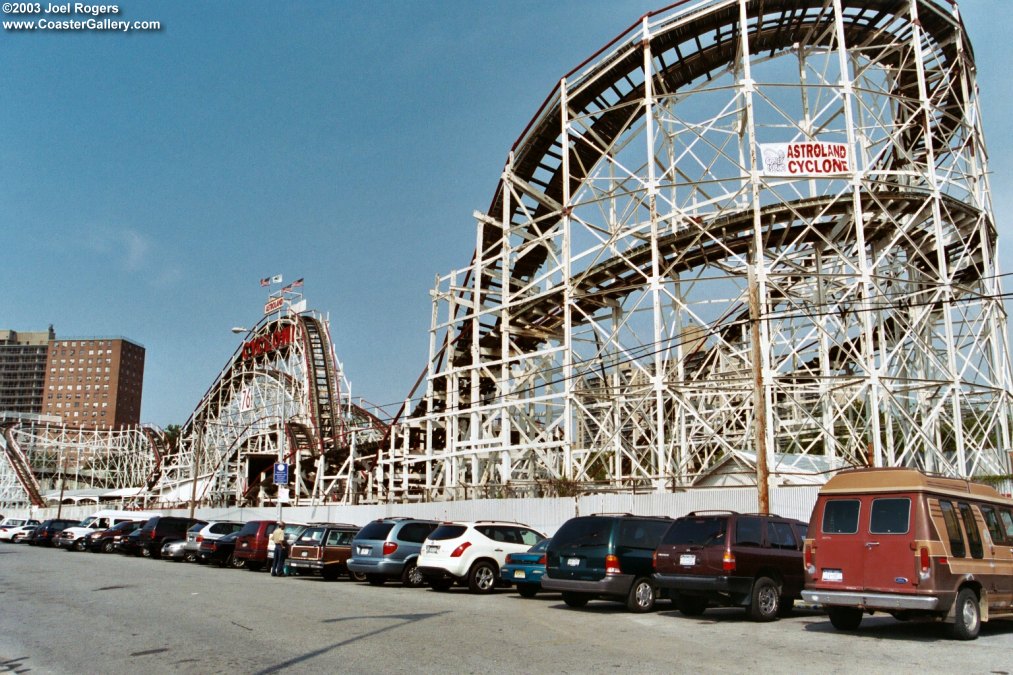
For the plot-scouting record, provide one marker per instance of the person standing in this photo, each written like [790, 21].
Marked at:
[280, 550]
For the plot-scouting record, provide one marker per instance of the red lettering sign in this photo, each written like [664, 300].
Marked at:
[265, 344]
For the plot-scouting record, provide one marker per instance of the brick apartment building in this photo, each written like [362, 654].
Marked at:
[93, 382]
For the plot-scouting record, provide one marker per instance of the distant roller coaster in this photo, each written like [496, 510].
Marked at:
[742, 228]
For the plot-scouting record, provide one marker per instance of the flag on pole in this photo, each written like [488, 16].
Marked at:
[296, 283]
[286, 289]
[266, 281]
[276, 279]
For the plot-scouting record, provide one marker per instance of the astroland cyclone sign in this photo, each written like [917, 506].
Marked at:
[263, 344]
[805, 159]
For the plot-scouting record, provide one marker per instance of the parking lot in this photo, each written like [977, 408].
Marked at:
[83, 612]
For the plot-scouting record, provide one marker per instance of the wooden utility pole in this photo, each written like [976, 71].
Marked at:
[759, 395]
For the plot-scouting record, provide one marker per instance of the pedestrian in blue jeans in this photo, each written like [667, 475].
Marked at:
[280, 550]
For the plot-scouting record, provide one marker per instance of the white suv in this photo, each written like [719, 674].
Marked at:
[472, 552]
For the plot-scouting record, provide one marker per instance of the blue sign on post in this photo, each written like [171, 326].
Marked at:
[280, 473]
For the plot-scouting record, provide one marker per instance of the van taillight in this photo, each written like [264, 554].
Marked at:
[612, 565]
[389, 547]
[924, 564]
[460, 549]
[654, 561]
[728, 562]
[809, 557]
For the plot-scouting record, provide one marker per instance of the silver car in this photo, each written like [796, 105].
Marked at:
[216, 529]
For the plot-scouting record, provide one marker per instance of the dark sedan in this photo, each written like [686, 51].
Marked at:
[220, 551]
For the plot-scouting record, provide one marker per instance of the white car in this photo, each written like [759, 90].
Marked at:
[472, 553]
[11, 526]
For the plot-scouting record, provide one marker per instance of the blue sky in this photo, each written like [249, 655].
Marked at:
[148, 181]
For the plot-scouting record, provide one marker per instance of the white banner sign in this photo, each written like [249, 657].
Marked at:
[246, 400]
[805, 159]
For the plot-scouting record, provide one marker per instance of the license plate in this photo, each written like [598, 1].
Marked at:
[687, 560]
[305, 553]
[364, 550]
[573, 562]
[519, 574]
[833, 575]
[245, 544]
[433, 548]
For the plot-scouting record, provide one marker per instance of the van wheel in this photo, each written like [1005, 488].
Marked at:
[575, 599]
[691, 605]
[411, 577]
[107, 547]
[967, 616]
[845, 618]
[765, 600]
[145, 552]
[641, 597]
[482, 577]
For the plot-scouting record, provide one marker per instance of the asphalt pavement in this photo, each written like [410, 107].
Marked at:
[105, 613]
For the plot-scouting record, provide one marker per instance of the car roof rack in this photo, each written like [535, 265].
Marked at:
[701, 512]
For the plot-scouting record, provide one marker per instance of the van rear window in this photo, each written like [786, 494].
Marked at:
[956, 537]
[890, 516]
[840, 516]
[705, 530]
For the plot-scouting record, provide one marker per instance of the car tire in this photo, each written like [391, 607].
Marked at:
[844, 618]
[575, 599]
[691, 605]
[79, 545]
[482, 577]
[236, 563]
[641, 596]
[189, 557]
[145, 552]
[527, 590]
[967, 616]
[440, 584]
[108, 547]
[764, 601]
[411, 577]
[376, 579]
[357, 576]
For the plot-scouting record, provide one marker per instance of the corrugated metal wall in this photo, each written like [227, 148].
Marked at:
[544, 515]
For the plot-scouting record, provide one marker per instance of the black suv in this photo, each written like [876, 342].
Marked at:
[160, 529]
[388, 548]
[605, 556]
[47, 530]
[733, 560]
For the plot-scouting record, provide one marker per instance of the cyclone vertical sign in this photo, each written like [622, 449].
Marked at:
[805, 158]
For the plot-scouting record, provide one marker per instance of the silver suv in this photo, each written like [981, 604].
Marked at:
[388, 548]
[216, 529]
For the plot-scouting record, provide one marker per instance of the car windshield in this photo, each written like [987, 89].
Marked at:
[311, 536]
[249, 528]
[589, 531]
[448, 532]
[375, 530]
[702, 531]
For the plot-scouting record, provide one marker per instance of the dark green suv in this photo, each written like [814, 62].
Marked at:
[606, 556]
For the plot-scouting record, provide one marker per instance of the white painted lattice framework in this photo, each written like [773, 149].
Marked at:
[648, 296]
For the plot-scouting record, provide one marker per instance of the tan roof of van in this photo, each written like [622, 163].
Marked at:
[906, 480]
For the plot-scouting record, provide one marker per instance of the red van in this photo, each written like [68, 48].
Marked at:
[251, 543]
[911, 545]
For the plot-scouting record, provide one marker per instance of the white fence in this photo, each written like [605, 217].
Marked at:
[545, 515]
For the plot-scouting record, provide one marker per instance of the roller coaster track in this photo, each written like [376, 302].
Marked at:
[159, 450]
[693, 47]
[19, 463]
